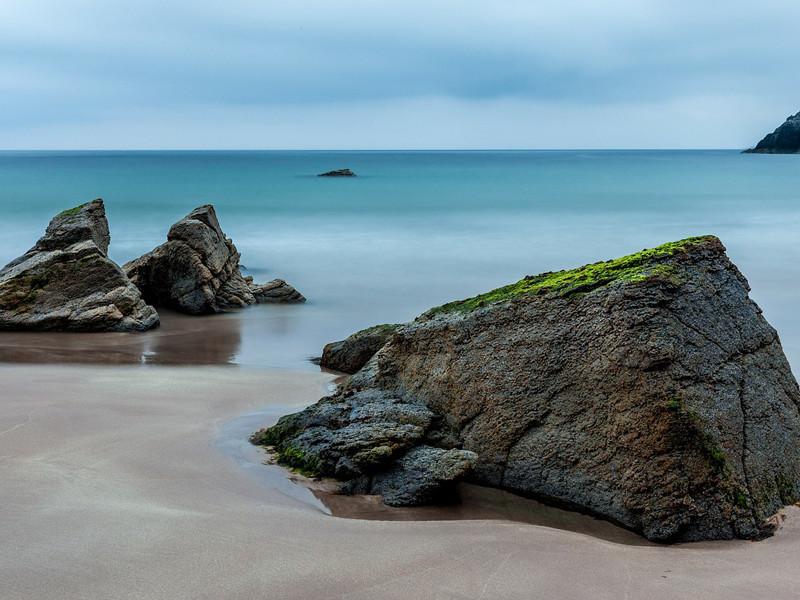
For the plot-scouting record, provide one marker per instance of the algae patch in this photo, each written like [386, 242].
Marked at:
[72, 211]
[631, 268]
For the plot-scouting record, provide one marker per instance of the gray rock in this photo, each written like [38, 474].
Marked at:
[276, 291]
[66, 282]
[784, 140]
[197, 270]
[348, 435]
[349, 355]
[424, 475]
[338, 173]
[648, 390]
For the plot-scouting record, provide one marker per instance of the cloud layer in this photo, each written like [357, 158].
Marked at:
[316, 74]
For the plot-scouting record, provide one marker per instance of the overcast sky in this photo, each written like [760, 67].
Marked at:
[386, 74]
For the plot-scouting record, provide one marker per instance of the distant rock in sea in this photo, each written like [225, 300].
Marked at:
[648, 390]
[66, 282]
[197, 271]
[338, 173]
[784, 140]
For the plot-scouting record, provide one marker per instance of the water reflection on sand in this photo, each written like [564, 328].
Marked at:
[181, 339]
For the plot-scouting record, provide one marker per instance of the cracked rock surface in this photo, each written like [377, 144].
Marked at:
[649, 390]
[66, 282]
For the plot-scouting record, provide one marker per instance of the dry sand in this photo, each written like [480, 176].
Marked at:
[113, 484]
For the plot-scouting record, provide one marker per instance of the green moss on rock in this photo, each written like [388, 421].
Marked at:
[383, 328]
[72, 211]
[632, 268]
[298, 460]
[285, 428]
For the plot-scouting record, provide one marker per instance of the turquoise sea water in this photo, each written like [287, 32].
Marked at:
[417, 229]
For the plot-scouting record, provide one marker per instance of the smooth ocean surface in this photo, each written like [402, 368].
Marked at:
[417, 229]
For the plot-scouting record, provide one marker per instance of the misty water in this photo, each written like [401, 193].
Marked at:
[413, 230]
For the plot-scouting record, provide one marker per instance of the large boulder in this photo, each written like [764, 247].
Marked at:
[784, 140]
[649, 390]
[196, 271]
[67, 282]
[352, 353]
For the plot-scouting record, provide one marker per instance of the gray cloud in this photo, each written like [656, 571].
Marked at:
[123, 67]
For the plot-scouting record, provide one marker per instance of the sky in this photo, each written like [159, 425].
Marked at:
[381, 74]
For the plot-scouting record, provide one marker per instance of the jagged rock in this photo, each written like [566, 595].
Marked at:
[338, 173]
[276, 291]
[348, 435]
[350, 354]
[196, 271]
[784, 140]
[67, 282]
[648, 390]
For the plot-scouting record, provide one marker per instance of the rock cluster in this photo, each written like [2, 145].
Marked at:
[196, 271]
[349, 355]
[649, 390]
[784, 140]
[67, 282]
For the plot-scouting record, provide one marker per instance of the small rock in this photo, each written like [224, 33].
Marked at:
[338, 173]
[349, 355]
[424, 475]
[275, 291]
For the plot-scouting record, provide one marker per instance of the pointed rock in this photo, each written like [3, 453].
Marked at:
[66, 282]
[197, 271]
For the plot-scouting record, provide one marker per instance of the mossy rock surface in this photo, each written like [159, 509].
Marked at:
[635, 267]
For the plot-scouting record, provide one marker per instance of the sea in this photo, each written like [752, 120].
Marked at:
[413, 230]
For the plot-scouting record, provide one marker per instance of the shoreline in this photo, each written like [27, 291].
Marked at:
[476, 503]
[115, 486]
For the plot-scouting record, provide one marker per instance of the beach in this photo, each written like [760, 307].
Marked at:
[117, 484]
[124, 458]
[413, 301]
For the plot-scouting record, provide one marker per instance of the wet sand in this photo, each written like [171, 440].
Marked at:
[125, 482]
[180, 340]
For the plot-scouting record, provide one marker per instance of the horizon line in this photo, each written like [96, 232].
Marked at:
[621, 149]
